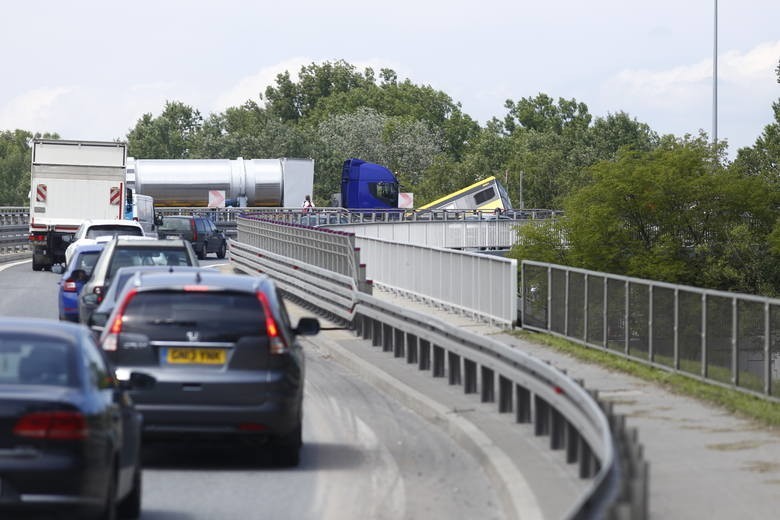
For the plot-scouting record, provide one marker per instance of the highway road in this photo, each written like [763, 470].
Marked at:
[366, 456]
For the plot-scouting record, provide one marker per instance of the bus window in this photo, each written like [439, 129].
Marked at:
[484, 196]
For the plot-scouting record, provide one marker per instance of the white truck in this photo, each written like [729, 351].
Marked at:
[72, 181]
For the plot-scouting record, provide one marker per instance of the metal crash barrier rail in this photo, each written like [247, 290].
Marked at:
[575, 420]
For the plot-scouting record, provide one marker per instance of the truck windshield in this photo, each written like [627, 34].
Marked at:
[386, 192]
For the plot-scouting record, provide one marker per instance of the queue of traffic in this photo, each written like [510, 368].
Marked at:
[163, 348]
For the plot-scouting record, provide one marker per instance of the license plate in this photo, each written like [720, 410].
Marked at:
[195, 356]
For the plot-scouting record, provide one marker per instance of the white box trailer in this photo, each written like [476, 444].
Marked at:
[72, 181]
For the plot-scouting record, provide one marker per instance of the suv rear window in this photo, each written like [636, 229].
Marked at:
[179, 224]
[209, 315]
[133, 256]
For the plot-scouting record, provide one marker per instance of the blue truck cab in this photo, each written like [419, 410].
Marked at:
[366, 185]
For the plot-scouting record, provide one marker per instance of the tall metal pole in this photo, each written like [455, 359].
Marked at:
[715, 80]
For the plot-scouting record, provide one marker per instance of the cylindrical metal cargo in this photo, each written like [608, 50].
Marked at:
[187, 182]
[264, 182]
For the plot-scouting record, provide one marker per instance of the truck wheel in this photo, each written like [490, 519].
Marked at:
[222, 250]
[201, 253]
[36, 266]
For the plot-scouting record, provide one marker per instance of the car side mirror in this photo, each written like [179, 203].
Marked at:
[98, 320]
[307, 327]
[90, 299]
[134, 380]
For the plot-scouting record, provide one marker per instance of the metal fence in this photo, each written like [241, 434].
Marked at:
[728, 339]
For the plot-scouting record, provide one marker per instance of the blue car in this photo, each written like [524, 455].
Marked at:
[76, 274]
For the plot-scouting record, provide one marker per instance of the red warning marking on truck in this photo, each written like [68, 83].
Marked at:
[115, 195]
[40, 193]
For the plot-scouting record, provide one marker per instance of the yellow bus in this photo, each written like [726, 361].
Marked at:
[485, 195]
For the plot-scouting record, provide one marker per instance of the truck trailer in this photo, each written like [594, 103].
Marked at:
[241, 182]
[72, 181]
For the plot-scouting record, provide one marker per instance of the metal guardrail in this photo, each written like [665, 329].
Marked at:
[595, 439]
[14, 227]
[727, 339]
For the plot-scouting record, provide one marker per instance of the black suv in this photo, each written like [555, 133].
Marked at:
[201, 232]
[223, 352]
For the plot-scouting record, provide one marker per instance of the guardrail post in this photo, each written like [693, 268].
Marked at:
[523, 411]
[469, 377]
[541, 416]
[376, 333]
[488, 385]
[504, 395]
[387, 338]
[438, 361]
[425, 355]
[399, 347]
[412, 348]
[453, 362]
[572, 443]
[557, 430]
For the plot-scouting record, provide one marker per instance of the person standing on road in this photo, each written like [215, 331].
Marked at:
[307, 203]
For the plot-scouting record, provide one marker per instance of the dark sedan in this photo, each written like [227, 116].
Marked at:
[223, 352]
[69, 434]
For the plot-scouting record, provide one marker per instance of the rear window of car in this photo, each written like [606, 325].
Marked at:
[36, 360]
[135, 256]
[178, 224]
[86, 261]
[194, 316]
[114, 229]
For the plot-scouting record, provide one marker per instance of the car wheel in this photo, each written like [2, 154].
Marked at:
[222, 250]
[130, 506]
[201, 253]
[287, 449]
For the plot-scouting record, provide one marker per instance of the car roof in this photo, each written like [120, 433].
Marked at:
[204, 278]
[88, 247]
[111, 221]
[150, 242]
[42, 327]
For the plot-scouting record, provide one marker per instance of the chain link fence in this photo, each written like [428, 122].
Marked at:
[725, 338]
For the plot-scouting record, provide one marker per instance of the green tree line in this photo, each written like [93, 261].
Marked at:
[664, 207]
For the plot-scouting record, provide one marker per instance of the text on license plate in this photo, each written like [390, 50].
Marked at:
[199, 356]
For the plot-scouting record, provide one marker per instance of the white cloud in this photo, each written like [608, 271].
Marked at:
[33, 110]
[684, 84]
[250, 86]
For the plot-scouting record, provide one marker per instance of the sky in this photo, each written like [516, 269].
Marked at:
[91, 69]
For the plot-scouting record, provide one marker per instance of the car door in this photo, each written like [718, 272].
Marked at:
[124, 419]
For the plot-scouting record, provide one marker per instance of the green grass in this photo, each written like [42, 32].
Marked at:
[748, 406]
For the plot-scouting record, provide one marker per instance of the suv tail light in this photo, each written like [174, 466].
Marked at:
[60, 425]
[115, 327]
[276, 342]
[194, 230]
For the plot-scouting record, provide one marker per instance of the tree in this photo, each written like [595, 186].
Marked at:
[172, 135]
[290, 101]
[673, 214]
[248, 131]
[406, 146]
[14, 167]
[15, 158]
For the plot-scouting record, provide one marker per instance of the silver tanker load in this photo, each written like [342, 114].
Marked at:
[243, 182]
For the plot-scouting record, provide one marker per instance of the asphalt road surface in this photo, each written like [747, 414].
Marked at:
[365, 455]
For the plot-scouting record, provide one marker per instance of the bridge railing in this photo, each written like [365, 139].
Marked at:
[14, 228]
[575, 420]
[723, 338]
